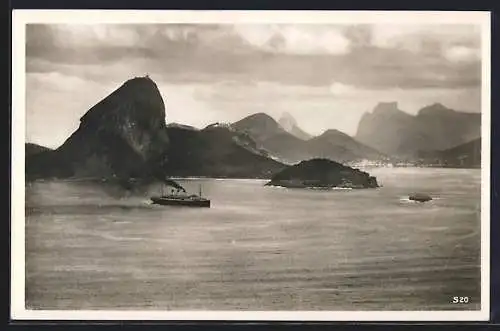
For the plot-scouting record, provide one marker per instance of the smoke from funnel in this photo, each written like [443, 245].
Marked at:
[174, 184]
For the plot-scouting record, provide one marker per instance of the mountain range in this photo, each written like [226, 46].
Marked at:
[435, 127]
[125, 136]
[331, 144]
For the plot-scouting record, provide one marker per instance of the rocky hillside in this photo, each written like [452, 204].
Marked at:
[122, 136]
[270, 136]
[322, 173]
[217, 151]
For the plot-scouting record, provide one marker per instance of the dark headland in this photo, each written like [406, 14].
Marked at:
[124, 138]
[323, 173]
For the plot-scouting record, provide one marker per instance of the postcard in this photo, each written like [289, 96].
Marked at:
[250, 165]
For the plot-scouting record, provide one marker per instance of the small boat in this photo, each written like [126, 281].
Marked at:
[181, 199]
[420, 197]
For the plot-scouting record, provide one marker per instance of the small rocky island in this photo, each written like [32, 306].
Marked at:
[323, 173]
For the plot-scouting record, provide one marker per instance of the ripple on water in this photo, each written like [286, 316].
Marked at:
[258, 247]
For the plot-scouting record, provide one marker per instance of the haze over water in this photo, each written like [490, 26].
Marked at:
[257, 247]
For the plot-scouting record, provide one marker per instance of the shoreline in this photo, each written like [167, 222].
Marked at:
[138, 180]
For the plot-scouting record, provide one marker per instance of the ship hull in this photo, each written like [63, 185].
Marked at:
[179, 202]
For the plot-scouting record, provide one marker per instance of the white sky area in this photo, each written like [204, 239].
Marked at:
[326, 76]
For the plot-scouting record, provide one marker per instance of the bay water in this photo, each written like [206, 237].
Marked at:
[89, 246]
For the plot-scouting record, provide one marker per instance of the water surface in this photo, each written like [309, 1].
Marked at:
[257, 248]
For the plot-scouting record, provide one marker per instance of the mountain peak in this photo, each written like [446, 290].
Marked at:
[287, 121]
[435, 108]
[386, 107]
[334, 132]
[140, 80]
[261, 116]
[138, 91]
[122, 135]
[258, 119]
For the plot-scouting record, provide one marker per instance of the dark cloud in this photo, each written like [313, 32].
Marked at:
[208, 53]
[359, 35]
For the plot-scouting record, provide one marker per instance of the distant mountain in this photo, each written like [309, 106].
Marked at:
[217, 151]
[466, 155]
[394, 132]
[260, 126]
[289, 123]
[270, 136]
[338, 146]
[332, 144]
[32, 149]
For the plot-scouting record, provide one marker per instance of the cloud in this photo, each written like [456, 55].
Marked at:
[414, 37]
[456, 44]
[359, 35]
[462, 54]
[326, 76]
[375, 56]
[310, 40]
[340, 89]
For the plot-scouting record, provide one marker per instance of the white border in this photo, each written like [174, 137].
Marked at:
[21, 17]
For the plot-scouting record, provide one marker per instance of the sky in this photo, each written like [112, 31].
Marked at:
[325, 76]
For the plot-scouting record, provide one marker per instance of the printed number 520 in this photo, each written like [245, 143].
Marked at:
[460, 300]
